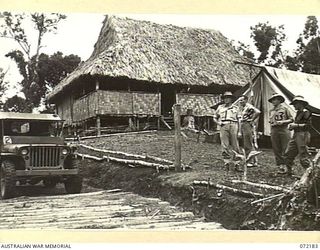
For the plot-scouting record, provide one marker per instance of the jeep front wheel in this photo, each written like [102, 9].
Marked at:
[7, 179]
[73, 185]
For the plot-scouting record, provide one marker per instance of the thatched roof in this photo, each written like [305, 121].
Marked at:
[147, 51]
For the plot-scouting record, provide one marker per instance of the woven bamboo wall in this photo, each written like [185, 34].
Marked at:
[104, 102]
[64, 110]
[145, 103]
[199, 103]
[114, 103]
[81, 109]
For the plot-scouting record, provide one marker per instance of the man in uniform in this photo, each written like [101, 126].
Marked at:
[227, 117]
[248, 117]
[188, 120]
[279, 117]
[301, 136]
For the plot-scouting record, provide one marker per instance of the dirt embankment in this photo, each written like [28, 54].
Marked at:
[232, 211]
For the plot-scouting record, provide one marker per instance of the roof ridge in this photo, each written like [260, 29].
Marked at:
[108, 31]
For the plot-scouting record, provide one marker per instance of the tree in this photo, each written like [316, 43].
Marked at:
[27, 62]
[15, 104]
[53, 69]
[308, 51]
[3, 87]
[306, 57]
[243, 49]
[269, 40]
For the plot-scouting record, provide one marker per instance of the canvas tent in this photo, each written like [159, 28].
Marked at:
[288, 83]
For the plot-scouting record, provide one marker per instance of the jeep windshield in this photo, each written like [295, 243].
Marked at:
[31, 128]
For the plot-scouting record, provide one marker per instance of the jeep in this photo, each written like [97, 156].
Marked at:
[32, 150]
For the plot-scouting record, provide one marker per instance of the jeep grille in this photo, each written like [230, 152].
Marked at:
[44, 156]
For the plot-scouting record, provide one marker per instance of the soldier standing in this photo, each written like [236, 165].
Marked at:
[227, 117]
[280, 117]
[301, 136]
[248, 117]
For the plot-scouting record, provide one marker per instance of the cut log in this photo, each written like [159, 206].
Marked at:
[142, 157]
[241, 192]
[126, 161]
[154, 158]
[86, 156]
[139, 162]
[264, 186]
[113, 152]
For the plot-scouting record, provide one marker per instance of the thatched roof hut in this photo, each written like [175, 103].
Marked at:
[168, 54]
[140, 69]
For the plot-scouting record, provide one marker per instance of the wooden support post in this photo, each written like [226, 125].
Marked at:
[97, 85]
[131, 123]
[177, 136]
[138, 124]
[98, 126]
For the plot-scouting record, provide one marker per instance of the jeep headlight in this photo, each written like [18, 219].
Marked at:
[24, 151]
[7, 140]
[65, 151]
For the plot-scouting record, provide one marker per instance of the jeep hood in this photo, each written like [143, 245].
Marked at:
[27, 140]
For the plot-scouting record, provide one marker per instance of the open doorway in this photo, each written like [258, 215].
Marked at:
[168, 99]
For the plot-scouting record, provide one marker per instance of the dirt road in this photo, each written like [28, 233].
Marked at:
[113, 209]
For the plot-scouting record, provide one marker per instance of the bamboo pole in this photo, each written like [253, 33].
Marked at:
[268, 198]
[141, 157]
[90, 157]
[157, 166]
[138, 162]
[177, 137]
[265, 186]
[230, 189]
[115, 134]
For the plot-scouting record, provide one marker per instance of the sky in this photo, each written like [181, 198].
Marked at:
[79, 32]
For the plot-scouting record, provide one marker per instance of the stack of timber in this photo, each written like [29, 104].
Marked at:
[113, 209]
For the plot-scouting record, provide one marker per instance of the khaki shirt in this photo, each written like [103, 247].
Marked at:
[279, 113]
[230, 113]
[247, 112]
